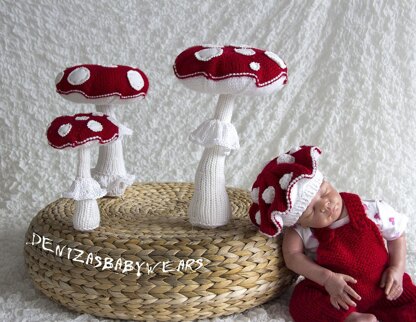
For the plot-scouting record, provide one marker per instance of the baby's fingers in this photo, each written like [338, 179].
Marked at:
[349, 279]
[389, 284]
[349, 290]
[348, 301]
[395, 293]
[334, 303]
[342, 303]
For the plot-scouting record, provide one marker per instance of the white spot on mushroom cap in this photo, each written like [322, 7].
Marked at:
[212, 46]
[59, 77]
[254, 66]
[268, 195]
[208, 53]
[79, 76]
[255, 195]
[95, 126]
[258, 218]
[81, 118]
[135, 79]
[64, 129]
[286, 158]
[110, 66]
[285, 180]
[294, 149]
[275, 58]
[245, 51]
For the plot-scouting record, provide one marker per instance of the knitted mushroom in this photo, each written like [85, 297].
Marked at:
[227, 71]
[107, 87]
[81, 131]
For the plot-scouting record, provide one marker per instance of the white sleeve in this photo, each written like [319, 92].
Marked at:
[310, 243]
[391, 223]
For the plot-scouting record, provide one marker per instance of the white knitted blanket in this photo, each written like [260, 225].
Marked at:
[351, 91]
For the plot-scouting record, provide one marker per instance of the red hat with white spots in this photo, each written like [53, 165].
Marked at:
[98, 84]
[284, 189]
[237, 70]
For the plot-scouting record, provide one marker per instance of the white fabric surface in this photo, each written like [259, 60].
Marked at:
[351, 91]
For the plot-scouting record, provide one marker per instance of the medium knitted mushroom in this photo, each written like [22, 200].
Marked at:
[106, 87]
[81, 131]
[227, 71]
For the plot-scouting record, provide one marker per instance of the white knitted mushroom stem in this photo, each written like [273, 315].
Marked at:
[110, 160]
[110, 165]
[210, 206]
[224, 109]
[84, 163]
[87, 215]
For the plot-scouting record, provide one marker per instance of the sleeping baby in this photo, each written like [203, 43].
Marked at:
[336, 241]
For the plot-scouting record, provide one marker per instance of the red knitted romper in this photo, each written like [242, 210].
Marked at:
[356, 249]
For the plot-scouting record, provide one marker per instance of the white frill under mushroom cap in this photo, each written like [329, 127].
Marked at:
[84, 189]
[115, 184]
[243, 85]
[215, 132]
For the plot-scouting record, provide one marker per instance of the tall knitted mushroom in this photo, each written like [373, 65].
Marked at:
[227, 71]
[107, 87]
[81, 131]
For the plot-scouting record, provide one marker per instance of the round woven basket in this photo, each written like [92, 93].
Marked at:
[154, 264]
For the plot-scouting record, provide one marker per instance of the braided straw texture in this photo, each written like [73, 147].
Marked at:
[241, 268]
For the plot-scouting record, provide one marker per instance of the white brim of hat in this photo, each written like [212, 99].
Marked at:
[301, 195]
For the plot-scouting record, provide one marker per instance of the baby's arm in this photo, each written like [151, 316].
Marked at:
[335, 284]
[392, 279]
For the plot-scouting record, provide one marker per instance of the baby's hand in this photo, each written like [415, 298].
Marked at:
[340, 292]
[392, 281]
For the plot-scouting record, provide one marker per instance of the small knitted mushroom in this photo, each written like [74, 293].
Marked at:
[107, 87]
[227, 71]
[81, 131]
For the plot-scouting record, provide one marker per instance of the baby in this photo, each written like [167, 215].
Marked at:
[336, 241]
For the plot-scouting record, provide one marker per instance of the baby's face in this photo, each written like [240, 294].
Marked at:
[324, 209]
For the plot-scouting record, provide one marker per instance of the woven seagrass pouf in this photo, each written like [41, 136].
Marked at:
[146, 262]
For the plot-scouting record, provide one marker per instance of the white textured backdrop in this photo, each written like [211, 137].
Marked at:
[351, 91]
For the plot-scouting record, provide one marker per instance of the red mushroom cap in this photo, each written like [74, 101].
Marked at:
[71, 131]
[244, 70]
[102, 84]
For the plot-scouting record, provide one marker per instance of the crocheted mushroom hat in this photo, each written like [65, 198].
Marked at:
[237, 70]
[100, 85]
[284, 189]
